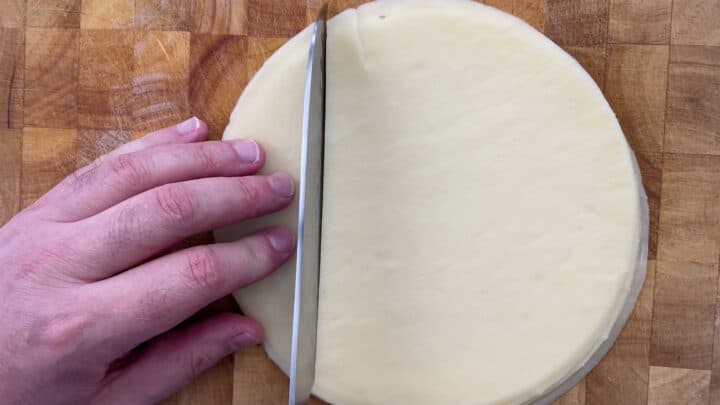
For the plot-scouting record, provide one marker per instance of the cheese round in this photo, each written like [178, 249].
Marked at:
[483, 215]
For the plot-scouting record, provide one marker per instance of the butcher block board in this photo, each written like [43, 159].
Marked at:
[78, 78]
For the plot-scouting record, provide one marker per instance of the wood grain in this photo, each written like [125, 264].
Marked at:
[693, 110]
[107, 14]
[592, 58]
[219, 17]
[576, 22]
[276, 18]
[162, 15]
[695, 22]
[636, 89]
[672, 386]
[10, 172]
[12, 74]
[218, 71]
[53, 13]
[48, 155]
[259, 50]
[160, 82]
[51, 78]
[689, 229]
[13, 13]
[624, 17]
[684, 317]
[105, 98]
[622, 376]
[651, 170]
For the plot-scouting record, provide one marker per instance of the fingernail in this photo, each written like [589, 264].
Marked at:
[282, 240]
[188, 127]
[242, 340]
[282, 184]
[248, 151]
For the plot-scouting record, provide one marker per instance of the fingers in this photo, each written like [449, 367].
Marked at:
[175, 359]
[122, 176]
[146, 224]
[192, 130]
[154, 297]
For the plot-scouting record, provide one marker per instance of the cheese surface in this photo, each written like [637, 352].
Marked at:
[482, 213]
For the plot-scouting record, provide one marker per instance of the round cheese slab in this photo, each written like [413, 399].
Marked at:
[483, 216]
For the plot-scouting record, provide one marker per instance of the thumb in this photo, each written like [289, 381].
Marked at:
[174, 359]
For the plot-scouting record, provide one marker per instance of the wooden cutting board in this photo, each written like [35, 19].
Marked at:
[79, 77]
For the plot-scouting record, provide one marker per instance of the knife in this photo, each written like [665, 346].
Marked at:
[307, 265]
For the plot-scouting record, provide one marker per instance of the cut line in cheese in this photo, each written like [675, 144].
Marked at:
[484, 223]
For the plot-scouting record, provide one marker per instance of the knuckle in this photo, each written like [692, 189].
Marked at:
[130, 168]
[207, 158]
[249, 193]
[176, 202]
[204, 269]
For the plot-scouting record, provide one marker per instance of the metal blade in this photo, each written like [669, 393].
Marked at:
[307, 266]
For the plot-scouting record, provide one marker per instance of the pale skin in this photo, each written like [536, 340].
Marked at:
[89, 300]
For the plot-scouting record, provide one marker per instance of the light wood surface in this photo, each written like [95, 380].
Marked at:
[79, 77]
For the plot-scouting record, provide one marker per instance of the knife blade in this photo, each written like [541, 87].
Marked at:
[307, 265]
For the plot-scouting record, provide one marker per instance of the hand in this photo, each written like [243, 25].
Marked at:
[78, 295]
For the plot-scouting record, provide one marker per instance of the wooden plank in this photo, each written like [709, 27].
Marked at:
[636, 89]
[577, 22]
[51, 78]
[13, 15]
[576, 396]
[219, 17]
[10, 173]
[673, 386]
[651, 170]
[106, 79]
[693, 110]
[107, 14]
[592, 59]
[689, 229]
[695, 22]
[653, 15]
[684, 315]
[218, 72]
[48, 156]
[161, 77]
[53, 13]
[621, 378]
[276, 18]
[12, 74]
[162, 15]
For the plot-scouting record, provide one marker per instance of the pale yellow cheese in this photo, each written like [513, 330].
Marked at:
[482, 215]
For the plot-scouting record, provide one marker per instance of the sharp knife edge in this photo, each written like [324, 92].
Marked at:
[307, 265]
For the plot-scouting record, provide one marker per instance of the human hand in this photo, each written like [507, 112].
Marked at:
[78, 295]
